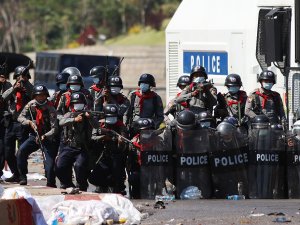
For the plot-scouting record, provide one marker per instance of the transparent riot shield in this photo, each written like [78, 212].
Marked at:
[293, 167]
[156, 162]
[228, 160]
[266, 168]
[192, 147]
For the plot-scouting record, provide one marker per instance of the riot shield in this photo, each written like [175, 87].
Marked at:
[192, 147]
[156, 162]
[293, 167]
[228, 160]
[266, 169]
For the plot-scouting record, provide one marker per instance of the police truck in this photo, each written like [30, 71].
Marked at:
[237, 36]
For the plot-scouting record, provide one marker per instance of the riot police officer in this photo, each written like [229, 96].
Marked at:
[145, 103]
[173, 108]
[190, 170]
[74, 84]
[115, 151]
[77, 131]
[40, 115]
[97, 89]
[61, 83]
[17, 97]
[4, 85]
[235, 98]
[114, 95]
[72, 71]
[206, 120]
[265, 101]
[228, 163]
[198, 94]
[134, 157]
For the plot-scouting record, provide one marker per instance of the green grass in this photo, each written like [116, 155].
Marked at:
[147, 37]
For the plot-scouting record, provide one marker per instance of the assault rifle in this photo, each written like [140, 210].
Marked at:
[96, 113]
[38, 137]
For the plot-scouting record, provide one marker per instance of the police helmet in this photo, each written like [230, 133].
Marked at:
[198, 69]
[296, 128]
[260, 121]
[115, 81]
[72, 71]
[205, 119]
[110, 110]
[183, 80]
[62, 78]
[3, 70]
[40, 89]
[267, 75]
[98, 72]
[233, 80]
[78, 97]
[226, 130]
[147, 79]
[21, 71]
[232, 120]
[186, 120]
[144, 123]
[74, 79]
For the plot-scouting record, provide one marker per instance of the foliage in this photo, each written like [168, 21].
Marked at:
[31, 25]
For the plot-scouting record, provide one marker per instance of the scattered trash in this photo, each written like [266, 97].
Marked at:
[35, 176]
[235, 197]
[144, 216]
[124, 207]
[171, 220]
[159, 205]
[83, 212]
[165, 198]
[23, 193]
[276, 214]
[257, 214]
[281, 220]
[71, 191]
[191, 192]
[109, 222]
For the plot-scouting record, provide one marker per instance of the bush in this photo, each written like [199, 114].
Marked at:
[136, 29]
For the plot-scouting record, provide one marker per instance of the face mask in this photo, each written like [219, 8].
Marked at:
[205, 124]
[62, 87]
[199, 79]
[78, 106]
[96, 80]
[75, 87]
[111, 120]
[267, 86]
[115, 90]
[233, 89]
[144, 87]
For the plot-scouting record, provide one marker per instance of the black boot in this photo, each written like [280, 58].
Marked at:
[23, 180]
[13, 179]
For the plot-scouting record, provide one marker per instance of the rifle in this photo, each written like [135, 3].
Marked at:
[124, 139]
[223, 104]
[38, 137]
[97, 113]
[117, 67]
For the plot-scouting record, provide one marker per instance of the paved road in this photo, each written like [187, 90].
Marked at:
[195, 212]
[220, 211]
